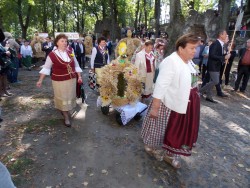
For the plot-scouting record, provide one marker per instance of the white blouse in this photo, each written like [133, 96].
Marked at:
[64, 56]
[26, 51]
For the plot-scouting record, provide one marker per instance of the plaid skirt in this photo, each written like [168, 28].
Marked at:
[153, 130]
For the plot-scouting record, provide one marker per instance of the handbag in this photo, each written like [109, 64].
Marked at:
[6, 63]
[80, 92]
[92, 81]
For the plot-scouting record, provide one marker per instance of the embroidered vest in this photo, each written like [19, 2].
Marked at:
[100, 59]
[62, 70]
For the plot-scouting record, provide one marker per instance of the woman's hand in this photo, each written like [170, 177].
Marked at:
[79, 81]
[154, 113]
[39, 83]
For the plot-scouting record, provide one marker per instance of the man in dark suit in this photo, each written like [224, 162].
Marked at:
[47, 46]
[77, 49]
[82, 47]
[215, 60]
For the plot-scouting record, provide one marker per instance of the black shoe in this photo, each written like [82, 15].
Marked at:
[211, 100]
[4, 95]
[222, 95]
[242, 91]
[67, 124]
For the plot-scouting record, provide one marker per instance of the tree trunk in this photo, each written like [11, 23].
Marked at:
[191, 5]
[45, 28]
[113, 21]
[139, 19]
[224, 12]
[145, 13]
[104, 14]
[114, 17]
[58, 16]
[1, 20]
[53, 19]
[82, 19]
[176, 24]
[247, 6]
[136, 13]
[77, 17]
[157, 17]
[24, 26]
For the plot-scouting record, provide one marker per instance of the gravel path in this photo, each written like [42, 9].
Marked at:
[98, 153]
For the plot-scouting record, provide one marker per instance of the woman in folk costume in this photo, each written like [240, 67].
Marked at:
[27, 54]
[99, 56]
[172, 121]
[158, 52]
[65, 72]
[145, 62]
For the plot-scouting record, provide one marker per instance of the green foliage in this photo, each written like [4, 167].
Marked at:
[198, 5]
[81, 15]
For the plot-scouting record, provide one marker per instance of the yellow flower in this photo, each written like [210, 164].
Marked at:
[134, 71]
[105, 100]
[122, 48]
[71, 55]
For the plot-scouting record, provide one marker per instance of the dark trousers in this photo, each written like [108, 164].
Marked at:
[78, 58]
[207, 80]
[13, 72]
[204, 70]
[227, 72]
[243, 72]
[83, 60]
[3, 83]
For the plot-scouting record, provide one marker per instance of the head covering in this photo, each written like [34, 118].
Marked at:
[159, 43]
[7, 35]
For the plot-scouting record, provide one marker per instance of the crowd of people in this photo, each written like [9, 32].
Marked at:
[170, 127]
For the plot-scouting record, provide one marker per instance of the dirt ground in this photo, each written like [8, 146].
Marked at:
[96, 152]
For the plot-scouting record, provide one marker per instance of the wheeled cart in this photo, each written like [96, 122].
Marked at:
[125, 113]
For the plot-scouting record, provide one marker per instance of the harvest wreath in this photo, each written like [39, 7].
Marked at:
[120, 83]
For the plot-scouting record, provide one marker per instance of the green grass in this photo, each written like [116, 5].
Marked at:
[20, 166]
[19, 169]
[41, 126]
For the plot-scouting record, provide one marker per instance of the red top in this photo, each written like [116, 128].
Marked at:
[246, 58]
[148, 65]
[62, 70]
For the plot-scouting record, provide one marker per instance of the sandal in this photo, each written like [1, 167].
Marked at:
[158, 154]
[149, 150]
[172, 161]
